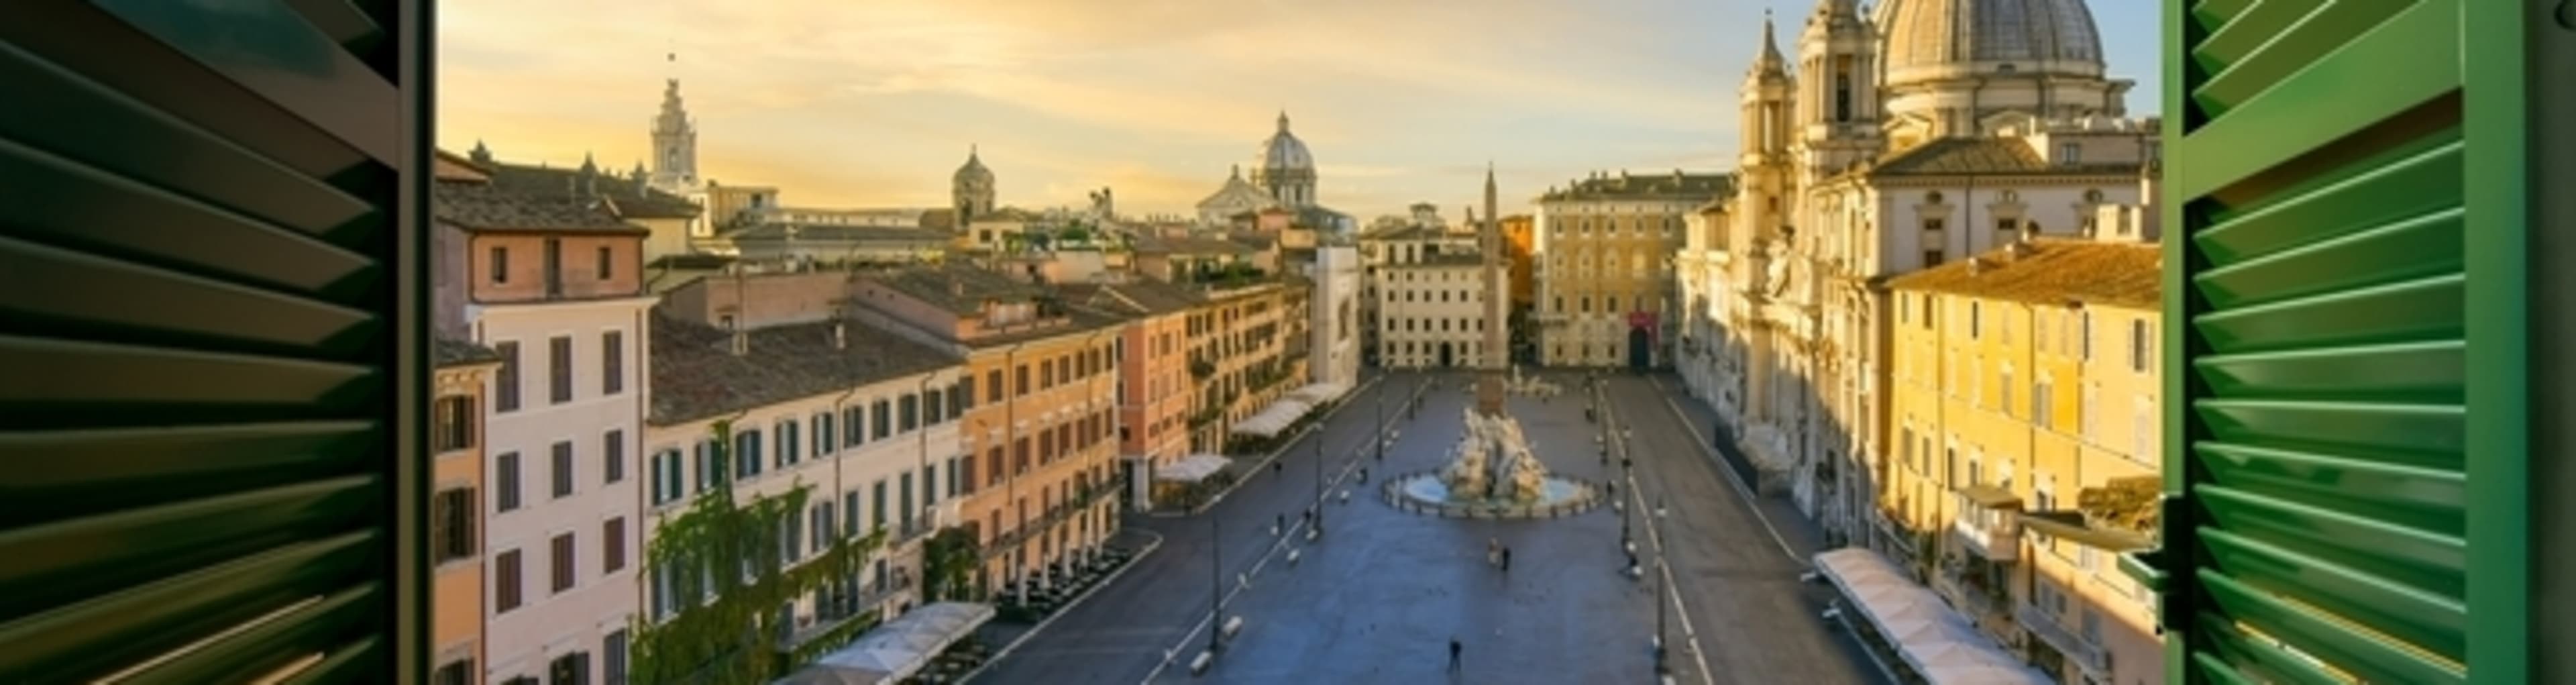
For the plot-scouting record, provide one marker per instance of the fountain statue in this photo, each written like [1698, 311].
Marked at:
[1492, 462]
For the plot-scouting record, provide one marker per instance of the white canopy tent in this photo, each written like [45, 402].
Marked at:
[1193, 468]
[1319, 393]
[1274, 418]
[1936, 642]
[894, 651]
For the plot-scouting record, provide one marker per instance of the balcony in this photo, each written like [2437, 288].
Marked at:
[2088, 656]
[1045, 523]
[1988, 524]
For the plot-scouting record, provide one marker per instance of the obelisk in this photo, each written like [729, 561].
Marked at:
[1496, 351]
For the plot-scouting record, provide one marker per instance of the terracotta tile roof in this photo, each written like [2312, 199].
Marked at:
[446, 352]
[837, 233]
[1190, 245]
[1961, 156]
[475, 205]
[959, 288]
[939, 220]
[2051, 270]
[1624, 186]
[633, 199]
[1144, 296]
[696, 374]
[1448, 260]
[1404, 232]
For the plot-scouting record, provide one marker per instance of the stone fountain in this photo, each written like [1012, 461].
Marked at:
[1492, 473]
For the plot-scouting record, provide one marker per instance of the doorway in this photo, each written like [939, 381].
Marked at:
[1641, 353]
[1447, 355]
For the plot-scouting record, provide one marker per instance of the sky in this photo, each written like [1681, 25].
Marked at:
[875, 103]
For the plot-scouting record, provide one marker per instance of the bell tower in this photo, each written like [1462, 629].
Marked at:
[1765, 186]
[1837, 94]
[675, 141]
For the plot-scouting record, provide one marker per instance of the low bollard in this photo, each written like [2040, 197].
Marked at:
[1199, 665]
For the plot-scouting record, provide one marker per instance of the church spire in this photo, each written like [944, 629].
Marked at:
[1283, 121]
[1770, 60]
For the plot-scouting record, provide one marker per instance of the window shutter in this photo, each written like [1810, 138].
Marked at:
[2343, 284]
[215, 343]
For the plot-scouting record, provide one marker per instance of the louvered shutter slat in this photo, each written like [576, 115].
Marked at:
[213, 328]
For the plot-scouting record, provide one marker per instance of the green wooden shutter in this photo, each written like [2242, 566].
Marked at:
[2337, 301]
[211, 339]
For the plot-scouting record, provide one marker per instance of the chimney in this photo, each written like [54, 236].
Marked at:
[840, 335]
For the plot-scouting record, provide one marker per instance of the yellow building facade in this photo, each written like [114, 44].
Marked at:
[2025, 459]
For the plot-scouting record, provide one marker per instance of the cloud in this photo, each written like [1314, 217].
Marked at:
[873, 103]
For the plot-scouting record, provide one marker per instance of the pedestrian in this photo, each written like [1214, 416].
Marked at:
[1613, 487]
[1454, 648]
[1626, 463]
[1274, 467]
[1282, 524]
[1507, 560]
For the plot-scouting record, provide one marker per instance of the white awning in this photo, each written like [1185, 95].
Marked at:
[1319, 393]
[896, 650]
[1193, 468]
[1274, 418]
[1934, 640]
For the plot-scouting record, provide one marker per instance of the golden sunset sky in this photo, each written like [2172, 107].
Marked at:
[875, 102]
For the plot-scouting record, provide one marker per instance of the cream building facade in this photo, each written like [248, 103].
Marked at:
[1902, 139]
[863, 420]
[1604, 265]
[1427, 288]
[2024, 398]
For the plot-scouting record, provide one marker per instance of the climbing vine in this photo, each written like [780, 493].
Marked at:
[948, 565]
[731, 636]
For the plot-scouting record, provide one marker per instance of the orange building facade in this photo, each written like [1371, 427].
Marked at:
[1040, 429]
[456, 540]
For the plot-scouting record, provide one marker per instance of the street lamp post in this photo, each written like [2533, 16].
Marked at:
[1318, 506]
[1663, 575]
[1216, 584]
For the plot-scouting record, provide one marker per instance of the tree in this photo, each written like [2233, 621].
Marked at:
[948, 565]
[731, 636]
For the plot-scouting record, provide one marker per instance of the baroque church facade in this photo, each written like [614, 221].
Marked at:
[1891, 139]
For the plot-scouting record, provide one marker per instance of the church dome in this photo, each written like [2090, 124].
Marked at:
[974, 172]
[1931, 40]
[1284, 152]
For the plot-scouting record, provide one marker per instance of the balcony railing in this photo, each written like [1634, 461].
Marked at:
[2086, 655]
[1998, 539]
[828, 618]
[1073, 503]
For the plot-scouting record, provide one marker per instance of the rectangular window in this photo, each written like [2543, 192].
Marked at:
[505, 382]
[612, 658]
[612, 460]
[879, 513]
[824, 441]
[612, 362]
[500, 264]
[933, 407]
[993, 385]
[823, 526]
[563, 469]
[2085, 334]
[559, 369]
[962, 398]
[612, 549]
[929, 485]
[911, 412]
[906, 488]
[458, 672]
[790, 443]
[961, 476]
[659, 473]
[1020, 385]
[605, 271]
[795, 545]
[854, 426]
[452, 420]
[883, 420]
[505, 481]
[569, 669]
[850, 514]
[451, 525]
[746, 454]
[505, 582]
[1932, 258]
[2139, 347]
[562, 562]
[2040, 404]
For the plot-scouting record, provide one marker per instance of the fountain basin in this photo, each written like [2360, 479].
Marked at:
[1425, 493]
